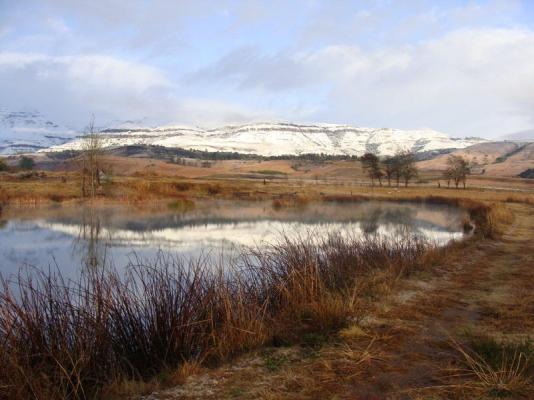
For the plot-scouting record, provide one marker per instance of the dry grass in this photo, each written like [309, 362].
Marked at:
[284, 201]
[147, 186]
[68, 340]
[497, 371]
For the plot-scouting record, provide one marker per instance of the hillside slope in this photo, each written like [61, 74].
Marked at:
[493, 158]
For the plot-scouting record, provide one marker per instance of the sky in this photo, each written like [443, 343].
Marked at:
[465, 68]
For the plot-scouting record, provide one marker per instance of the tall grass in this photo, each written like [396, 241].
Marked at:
[64, 339]
[496, 369]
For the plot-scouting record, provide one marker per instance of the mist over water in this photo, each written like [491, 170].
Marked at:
[69, 238]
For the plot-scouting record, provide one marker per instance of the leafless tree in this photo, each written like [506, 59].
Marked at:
[457, 170]
[91, 160]
[371, 164]
[405, 167]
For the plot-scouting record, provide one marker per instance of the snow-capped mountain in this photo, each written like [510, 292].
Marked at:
[271, 139]
[29, 131]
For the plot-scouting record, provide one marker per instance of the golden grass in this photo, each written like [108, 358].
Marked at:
[511, 376]
[62, 186]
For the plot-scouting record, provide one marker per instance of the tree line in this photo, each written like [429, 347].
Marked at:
[401, 168]
[398, 168]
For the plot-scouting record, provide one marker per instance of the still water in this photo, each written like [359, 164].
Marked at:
[69, 237]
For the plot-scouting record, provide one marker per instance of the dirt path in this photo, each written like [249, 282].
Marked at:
[405, 351]
[487, 292]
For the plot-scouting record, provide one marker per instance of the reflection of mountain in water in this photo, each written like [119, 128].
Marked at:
[370, 219]
[195, 232]
[70, 237]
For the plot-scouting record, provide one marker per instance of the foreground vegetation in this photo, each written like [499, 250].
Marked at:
[73, 339]
[459, 330]
[109, 335]
[62, 339]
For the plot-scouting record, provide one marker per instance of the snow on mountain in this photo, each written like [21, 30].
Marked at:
[271, 139]
[28, 131]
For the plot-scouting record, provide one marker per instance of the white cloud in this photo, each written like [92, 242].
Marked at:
[468, 82]
[211, 113]
[464, 68]
[69, 89]
[72, 87]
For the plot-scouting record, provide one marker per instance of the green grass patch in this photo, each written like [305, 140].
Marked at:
[273, 362]
[495, 352]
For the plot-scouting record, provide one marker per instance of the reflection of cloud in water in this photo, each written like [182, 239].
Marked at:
[245, 233]
[71, 237]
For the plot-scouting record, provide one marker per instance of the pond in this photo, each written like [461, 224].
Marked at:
[70, 237]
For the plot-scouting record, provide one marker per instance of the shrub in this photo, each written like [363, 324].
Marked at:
[214, 189]
[26, 163]
[182, 186]
[497, 369]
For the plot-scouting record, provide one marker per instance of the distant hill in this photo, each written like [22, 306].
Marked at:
[275, 139]
[505, 158]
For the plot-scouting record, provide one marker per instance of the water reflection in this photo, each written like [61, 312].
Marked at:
[88, 244]
[91, 237]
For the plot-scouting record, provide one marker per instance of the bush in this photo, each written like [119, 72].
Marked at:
[181, 205]
[182, 186]
[26, 163]
[214, 189]
[3, 165]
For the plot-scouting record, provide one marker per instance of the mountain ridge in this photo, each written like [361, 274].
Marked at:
[279, 138]
[29, 131]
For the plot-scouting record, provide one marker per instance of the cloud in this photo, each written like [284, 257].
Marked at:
[468, 81]
[248, 68]
[462, 67]
[193, 111]
[71, 87]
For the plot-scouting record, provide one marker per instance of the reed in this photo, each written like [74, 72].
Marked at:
[74, 339]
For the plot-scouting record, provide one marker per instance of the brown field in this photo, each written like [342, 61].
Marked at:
[138, 180]
[459, 325]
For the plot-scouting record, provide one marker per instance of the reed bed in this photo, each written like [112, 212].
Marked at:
[72, 339]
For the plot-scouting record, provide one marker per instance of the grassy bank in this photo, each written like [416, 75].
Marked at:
[85, 339]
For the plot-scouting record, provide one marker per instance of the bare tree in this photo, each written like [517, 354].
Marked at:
[90, 160]
[391, 168]
[406, 167]
[371, 164]
[457, 170]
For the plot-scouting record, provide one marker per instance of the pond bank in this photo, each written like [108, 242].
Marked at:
[102, 331]
[415, 341]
